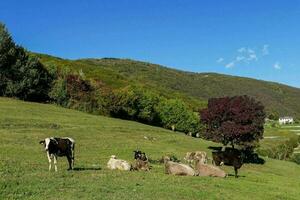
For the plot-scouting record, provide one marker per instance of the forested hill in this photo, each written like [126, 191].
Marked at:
[194, 88]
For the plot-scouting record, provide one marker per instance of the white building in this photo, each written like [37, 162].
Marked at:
[286, 120]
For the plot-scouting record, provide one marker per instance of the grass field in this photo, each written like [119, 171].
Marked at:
[24, 167]
[277, 137]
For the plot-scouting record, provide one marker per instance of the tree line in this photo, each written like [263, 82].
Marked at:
[132, 103]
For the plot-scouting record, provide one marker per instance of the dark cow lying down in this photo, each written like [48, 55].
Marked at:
[55, 147]
[231, 157]
[141, 161]
[140, 155]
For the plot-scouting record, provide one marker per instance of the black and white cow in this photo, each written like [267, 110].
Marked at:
[55, 147]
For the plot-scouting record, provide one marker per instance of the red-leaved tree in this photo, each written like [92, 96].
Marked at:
[237, 120]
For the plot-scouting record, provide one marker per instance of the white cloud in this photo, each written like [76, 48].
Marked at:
[230, 65]
[240, 58]
[252, 57]
[251, 51]
[220, 60]
[246, 55]
[265, 50]
[242, 49]
[277, 66]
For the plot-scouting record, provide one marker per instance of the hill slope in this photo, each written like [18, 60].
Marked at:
[194, 88]
[24, 167]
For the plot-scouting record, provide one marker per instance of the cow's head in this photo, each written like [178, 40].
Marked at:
[201, 158]
[137, 154]
[166, 159]
[189, 156]
[140, 155]
[48, 142]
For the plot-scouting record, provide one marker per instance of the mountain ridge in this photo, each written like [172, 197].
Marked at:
[186, 71]
[194, 87]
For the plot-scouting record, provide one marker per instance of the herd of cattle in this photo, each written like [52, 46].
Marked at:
[196, 161]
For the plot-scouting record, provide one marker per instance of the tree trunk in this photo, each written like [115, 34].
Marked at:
[232, 144]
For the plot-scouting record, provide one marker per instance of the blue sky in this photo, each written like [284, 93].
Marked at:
[254, 38]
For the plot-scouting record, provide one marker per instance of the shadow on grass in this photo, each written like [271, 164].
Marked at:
[215, 148]
[254, 159]
[86, 168]
[239, 176]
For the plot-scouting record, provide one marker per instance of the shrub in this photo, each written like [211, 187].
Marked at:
[144, 106]
[73, 92]
[136, 104]
[273, 116]
[281, 151]
[104, 97]
[59, 93]
[296, 158]
[175, 114]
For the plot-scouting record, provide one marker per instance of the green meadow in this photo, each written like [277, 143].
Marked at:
[24, 167]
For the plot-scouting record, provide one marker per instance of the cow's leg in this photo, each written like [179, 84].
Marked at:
[55, 162]
[236, 172]
[70, 162]
[73, 155]
[49, 160]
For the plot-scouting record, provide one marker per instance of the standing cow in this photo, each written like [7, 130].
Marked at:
[55, 147]
[230, 157]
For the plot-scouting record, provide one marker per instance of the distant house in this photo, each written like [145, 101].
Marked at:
[286, 120]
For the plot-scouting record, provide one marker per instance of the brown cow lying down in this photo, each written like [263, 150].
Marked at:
[141, 165]
[203, 169]
[141, 161]
[178, 168]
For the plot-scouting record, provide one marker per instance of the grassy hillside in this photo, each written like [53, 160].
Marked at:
[194, 88]
[281, 142]
[24, 167]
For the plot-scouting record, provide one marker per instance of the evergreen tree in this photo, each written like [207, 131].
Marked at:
[21, 75]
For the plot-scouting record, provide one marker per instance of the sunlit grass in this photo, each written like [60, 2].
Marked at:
[24, 167]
